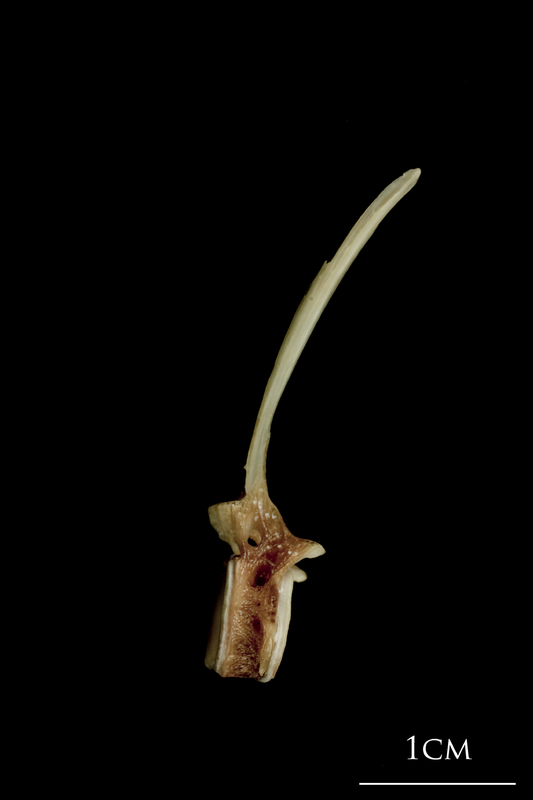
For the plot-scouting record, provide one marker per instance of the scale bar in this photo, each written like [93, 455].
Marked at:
[447, 783]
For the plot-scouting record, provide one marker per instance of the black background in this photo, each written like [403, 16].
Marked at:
[181, 177]
[393, 445]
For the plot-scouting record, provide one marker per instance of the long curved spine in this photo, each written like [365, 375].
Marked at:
[309, 311]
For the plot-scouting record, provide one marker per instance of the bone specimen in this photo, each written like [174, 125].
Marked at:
[252, 614]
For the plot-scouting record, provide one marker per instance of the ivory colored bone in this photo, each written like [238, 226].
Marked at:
[251, 618]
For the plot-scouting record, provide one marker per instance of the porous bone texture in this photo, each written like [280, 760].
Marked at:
[250, 627]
